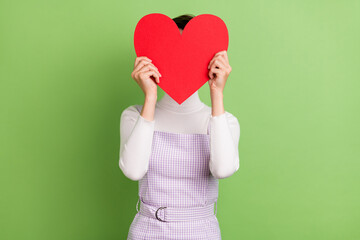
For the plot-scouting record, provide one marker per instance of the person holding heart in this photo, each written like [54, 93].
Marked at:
[178, 153]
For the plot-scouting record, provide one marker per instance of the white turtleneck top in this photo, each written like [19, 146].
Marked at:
[192, 116]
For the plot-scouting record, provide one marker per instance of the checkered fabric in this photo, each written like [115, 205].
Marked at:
[178, 178]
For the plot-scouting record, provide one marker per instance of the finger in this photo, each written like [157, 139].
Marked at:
[154, 74]
[214, 71]
[212, 60]
[139, 67]
[140, 72]
[221, 63]
[218, 63]
[138, 59]
[142, 64]
[148, 67]
[142, 58]
[156, 69]
[226, 65]
[226, 57]
[222, 54]
[217, 55]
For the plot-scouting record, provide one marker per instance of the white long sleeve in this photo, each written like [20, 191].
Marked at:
[224, 140]
[136, 135]
[192, 116]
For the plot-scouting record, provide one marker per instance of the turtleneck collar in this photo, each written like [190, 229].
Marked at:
[191, 104]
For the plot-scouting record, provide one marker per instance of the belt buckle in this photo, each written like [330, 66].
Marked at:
[157, 215]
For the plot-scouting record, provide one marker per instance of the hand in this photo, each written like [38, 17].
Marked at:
[142, 73]
[219, 70]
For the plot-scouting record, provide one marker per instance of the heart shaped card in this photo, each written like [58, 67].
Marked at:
[182, 59]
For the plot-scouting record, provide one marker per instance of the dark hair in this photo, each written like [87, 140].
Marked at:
[182, 20]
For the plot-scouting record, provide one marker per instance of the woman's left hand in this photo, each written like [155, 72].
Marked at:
[218, 66]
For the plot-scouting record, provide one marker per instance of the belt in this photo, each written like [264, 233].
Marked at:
[172, 214]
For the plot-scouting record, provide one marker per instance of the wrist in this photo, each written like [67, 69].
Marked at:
[216, 94]
[150, 98]
[217, 103]
[148, 110]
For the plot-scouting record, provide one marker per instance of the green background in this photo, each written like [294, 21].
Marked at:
[65, 79]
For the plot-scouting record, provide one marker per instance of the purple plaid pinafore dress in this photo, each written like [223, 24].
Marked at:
[178, 193]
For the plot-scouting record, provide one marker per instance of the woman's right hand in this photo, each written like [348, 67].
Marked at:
[142, 73]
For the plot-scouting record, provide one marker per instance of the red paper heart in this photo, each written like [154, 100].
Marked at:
[182, 59]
